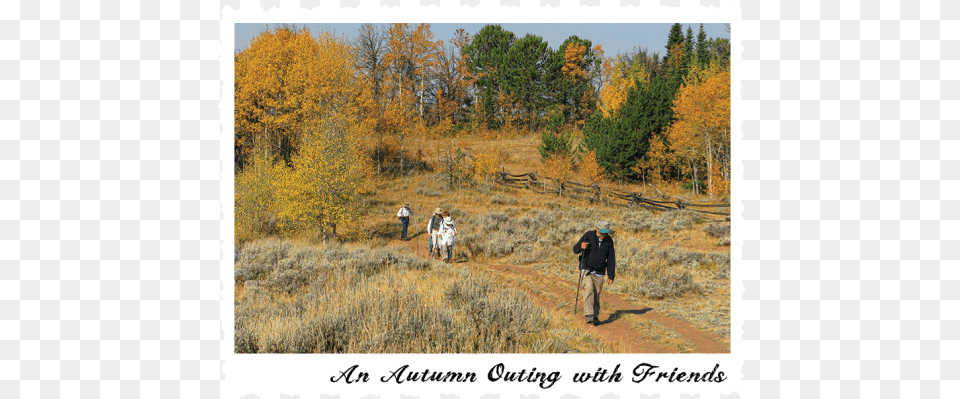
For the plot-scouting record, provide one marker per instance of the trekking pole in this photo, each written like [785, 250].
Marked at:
[416, 229]
[579, 282]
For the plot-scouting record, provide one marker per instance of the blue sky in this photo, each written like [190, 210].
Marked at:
[613, 37]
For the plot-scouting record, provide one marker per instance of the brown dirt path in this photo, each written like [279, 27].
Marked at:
[617, 315]
[615, 329]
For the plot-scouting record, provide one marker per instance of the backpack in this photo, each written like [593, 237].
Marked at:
[447, 233]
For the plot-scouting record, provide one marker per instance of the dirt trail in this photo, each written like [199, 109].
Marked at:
[616, 328]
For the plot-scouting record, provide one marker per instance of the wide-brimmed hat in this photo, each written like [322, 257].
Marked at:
[406, 204]
[448, 220]
[604, 227]
[437, 211]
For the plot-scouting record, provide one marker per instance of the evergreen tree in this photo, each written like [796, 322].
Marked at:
[674, 38]
[554, 141]
[622, 141]
[526, 61]
[720, 51]
[485, 60]
[703, 53]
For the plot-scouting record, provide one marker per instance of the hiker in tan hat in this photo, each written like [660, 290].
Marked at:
[404, 215]
[433, 227]
[447, 236]
[597, 261]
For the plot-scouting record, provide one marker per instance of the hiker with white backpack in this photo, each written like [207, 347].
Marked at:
[447, 236]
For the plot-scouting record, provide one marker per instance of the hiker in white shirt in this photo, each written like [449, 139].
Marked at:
[404, 215]
[447, 235]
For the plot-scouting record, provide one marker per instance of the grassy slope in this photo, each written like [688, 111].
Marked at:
[670, 257]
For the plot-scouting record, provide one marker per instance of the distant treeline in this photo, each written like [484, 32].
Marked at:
[398, 81]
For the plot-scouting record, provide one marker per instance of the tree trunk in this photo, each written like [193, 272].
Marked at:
[696, 185]
[709, 169]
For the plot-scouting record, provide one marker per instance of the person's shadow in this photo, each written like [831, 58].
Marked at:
[619, 313]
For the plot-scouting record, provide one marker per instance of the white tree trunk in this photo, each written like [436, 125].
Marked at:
[709, 168]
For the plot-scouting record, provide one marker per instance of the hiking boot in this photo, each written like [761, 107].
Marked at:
[596, 321]
[591, 320]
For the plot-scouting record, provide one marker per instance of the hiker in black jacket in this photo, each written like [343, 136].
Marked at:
[600, 262]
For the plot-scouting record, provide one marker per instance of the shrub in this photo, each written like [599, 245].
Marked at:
[671, 221]
[500, 318]
[717, 229]
[658, 281]
[485, 164]
[637, 220]
[504, 200]
[590, 168]
[429, 192]
[288, 281]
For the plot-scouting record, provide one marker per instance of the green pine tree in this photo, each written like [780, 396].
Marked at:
[553, 139]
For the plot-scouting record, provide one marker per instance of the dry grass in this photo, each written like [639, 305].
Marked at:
[663, 335]
[673, 262]
[352, 299]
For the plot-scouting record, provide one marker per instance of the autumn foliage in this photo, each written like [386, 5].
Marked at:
[298, 133]
[589, 169]
[669, 119]
[701, 133]
[316, 115]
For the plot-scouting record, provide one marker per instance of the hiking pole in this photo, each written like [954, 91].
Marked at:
[416, 229]
[579, 282]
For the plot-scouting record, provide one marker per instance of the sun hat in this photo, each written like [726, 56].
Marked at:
[406, 204]
[448, 220]
[603, 226]
[437, 211]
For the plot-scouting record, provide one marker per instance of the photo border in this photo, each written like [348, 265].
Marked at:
[308, 375]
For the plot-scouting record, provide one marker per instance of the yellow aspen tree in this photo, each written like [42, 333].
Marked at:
[275, 87]
[589, 168]
[325, 181]
[255, 198]
[702, 127]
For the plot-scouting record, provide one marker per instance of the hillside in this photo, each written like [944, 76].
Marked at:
[512, 283]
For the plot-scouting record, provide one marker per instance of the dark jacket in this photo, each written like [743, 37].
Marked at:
[435, 221]
[600, 255]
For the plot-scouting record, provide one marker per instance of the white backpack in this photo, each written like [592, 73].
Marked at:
[447, 233]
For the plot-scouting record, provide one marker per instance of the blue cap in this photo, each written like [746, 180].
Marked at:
[603, 226]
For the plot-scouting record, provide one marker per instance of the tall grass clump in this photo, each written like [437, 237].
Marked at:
[719, 230]
[660, 222]
[526, 237]
[500, 199]
[659, 281]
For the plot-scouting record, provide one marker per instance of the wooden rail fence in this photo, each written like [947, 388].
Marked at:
[598, 194]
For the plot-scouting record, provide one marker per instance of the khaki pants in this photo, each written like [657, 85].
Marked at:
[446, 251]
[592, 285]
[435, 239]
